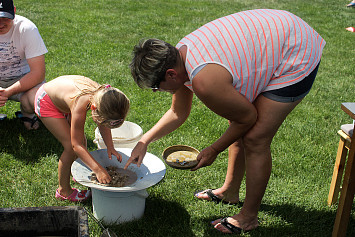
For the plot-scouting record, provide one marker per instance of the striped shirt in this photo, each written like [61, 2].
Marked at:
[262, 49]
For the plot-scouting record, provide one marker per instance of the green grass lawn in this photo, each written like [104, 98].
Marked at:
[96, 38]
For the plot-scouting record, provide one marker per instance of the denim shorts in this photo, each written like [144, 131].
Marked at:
[293, 92]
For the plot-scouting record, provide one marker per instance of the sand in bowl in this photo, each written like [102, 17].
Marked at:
[120, 177]
[182, 156]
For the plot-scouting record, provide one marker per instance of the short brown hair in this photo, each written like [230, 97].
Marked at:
[151, 59]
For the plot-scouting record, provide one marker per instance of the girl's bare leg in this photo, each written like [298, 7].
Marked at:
[60, 128]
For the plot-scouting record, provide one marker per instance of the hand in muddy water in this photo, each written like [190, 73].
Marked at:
[119, 177]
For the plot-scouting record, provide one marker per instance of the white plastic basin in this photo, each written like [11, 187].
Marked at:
[120, 204]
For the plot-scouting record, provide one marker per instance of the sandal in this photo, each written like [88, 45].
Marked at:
[214, 197]
[3, 116]
[232, 228]
[24, 119]
[76, 196]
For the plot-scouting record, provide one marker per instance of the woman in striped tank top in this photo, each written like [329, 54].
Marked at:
[252, 68]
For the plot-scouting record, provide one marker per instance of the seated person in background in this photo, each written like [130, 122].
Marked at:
[22, 64]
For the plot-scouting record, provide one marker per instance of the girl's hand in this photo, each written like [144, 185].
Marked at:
[102, 176]
[206, 157]
[137, 155]
[111, 152]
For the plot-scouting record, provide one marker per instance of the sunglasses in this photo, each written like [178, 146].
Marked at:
[161, 77]
[156, 86]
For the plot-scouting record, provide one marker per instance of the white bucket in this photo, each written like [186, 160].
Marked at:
[118, 207]
[114, 205]
[126, 136]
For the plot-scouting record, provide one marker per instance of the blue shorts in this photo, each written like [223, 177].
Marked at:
[294, 92]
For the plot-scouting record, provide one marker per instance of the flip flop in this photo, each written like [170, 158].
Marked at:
[214, 197]
[76, 196]
[232, 228]
[352, 4]
[24, 119]
[18, 114]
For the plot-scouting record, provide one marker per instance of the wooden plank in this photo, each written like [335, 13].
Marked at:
[337, 173]
[346, 196]
[349, 108]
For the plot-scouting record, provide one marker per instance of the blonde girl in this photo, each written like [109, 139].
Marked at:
[62, 105]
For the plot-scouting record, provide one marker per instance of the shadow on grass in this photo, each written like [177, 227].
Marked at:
[161, 219]
[302, 221]
[290, 220]
[29, 145]
[166, 218]
[169, 219]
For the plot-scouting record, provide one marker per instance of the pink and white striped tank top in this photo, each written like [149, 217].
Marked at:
[262, 49]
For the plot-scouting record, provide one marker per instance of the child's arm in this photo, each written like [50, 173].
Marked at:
[78, 118]
[107, 137]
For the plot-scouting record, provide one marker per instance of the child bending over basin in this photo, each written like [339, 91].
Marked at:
[62, 104]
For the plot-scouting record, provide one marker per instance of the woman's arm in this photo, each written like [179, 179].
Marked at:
[171, 120]
[213, 86]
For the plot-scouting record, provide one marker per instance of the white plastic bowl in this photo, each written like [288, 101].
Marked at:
[126, 136]
[115, 205]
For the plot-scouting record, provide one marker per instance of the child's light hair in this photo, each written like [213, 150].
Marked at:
[112, 105]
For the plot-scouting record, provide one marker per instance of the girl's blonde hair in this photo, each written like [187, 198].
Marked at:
[112, 105]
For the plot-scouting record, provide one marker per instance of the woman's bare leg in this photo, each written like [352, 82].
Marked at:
[229, 192]
[257, 141]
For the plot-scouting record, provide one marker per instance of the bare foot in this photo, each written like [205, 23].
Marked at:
[240, 221]
[65, 193]
[217, 195]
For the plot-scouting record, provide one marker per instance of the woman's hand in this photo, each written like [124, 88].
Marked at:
[206, 157]
[137, 155]
[112, 151]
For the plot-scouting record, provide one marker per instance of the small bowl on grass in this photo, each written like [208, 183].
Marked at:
[180, 156]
